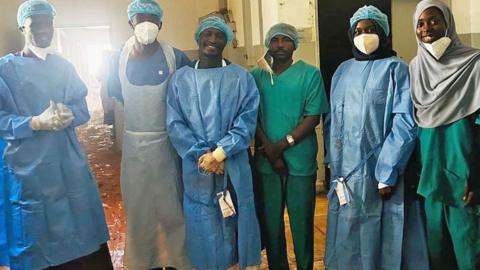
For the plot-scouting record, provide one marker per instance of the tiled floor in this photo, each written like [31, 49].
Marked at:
[105, 163]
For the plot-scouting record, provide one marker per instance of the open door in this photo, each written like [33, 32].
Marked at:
[88, 49]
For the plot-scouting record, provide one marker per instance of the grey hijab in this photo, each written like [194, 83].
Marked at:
[446, 90]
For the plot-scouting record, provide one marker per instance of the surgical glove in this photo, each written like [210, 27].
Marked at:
[65, 114]
[47, 120]
[208, 163]
[220, 169]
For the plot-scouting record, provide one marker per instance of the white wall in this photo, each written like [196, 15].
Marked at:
[269, 14]
[475, 15]
[10, 37]
[179, 22]
[463, 17]
[404, 42]
[467, 18]
[180, 19]
[236, 6]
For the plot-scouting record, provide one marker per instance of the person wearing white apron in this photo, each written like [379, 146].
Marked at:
[150, 179]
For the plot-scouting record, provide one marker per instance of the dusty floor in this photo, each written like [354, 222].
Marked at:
[104, 160]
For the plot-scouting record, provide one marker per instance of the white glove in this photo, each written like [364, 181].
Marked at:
[47, 120]
[65, 114]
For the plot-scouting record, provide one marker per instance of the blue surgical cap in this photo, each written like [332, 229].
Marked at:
[33, 7]
[144, 7]
[283, 29]
[214, 22]
[371, 13]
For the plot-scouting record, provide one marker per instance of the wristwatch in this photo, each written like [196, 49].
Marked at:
[290, 140]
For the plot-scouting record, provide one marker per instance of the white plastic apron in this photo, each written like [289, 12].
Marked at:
[150, 175]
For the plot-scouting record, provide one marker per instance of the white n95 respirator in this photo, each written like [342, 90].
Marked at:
[146, 32]
[438, 48]
[367, 43]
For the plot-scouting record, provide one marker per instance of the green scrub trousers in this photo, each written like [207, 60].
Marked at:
[453, 237]
[453, 231]
[297, 193]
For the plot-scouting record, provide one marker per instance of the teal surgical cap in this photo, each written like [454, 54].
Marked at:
[371, 13]
[33, 7]
[283, 29]
[214, 22]
[144, 7]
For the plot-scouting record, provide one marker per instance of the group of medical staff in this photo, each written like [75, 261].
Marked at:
[401, 144]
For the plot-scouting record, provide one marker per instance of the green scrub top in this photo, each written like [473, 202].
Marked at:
[446, 153]
[297, 92]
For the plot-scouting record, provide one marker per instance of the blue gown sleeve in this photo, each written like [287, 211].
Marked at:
[243, 128]
[114, 86]
[12, 125]
[400, 141]
[181, 58]
[328, 118]
[76, 91]
[187, 144]
[4, 257]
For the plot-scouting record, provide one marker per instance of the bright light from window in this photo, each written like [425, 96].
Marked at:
[98, 55]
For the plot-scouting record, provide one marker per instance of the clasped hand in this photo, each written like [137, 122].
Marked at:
[209, 164]
[274, 154]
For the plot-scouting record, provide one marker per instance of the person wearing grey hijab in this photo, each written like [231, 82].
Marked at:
[445, 81]
[443, 90]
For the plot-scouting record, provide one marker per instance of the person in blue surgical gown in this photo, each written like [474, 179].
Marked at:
[371, 135]
[4, 261]
[211, 119]
[54, 214]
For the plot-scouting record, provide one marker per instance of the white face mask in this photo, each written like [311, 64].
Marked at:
[367, 43]
[41, 53]
[146, 32]
[438, 47]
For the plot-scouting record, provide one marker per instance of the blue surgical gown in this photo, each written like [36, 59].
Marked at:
[54, 212]
[371, 112]
[4, 261]
[209, 108]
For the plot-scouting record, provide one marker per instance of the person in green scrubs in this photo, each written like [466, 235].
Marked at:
[292, 98]
[445, 78]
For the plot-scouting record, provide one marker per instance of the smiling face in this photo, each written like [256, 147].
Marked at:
[38, 30]
[212, 42]
[431, 25]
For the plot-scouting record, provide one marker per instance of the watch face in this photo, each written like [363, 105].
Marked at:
[290, 140]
